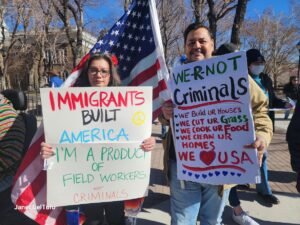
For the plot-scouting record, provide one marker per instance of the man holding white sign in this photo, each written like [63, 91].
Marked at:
[211, 99]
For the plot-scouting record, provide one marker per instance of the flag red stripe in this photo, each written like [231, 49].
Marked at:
[61, 219]
[81, 63]
[161, 87]
[42, 216]
[156, 113]
[31, 154]
[26, 197]
[145, 74]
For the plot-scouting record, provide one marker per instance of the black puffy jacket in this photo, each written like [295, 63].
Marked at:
[274, 101]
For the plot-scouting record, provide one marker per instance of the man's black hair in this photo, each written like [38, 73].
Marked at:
[195, 26]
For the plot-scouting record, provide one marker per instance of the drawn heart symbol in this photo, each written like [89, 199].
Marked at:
[207, 157]
[197, 176]
[217, 173]
[232, 173]
[225, 173]
[210, 174]
[204, 176]
[190, 174]
[239, 174]
[184, 171]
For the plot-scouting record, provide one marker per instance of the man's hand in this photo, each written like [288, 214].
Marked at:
[167, 109]
[148, 144]
[288, 105]
[260, 145]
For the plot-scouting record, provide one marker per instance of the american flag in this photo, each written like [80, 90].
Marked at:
[138, 50]
[135, 40]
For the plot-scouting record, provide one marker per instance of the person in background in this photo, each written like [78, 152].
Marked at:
[256, 66]
[12, 138]
[238, 214]
[290, 90]
[12, 141]
[100, 71]
[54, 79]
[226, 48]
[292, 137]
[190, 199]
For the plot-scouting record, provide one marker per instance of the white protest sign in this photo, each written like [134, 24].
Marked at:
[87, 173]
[93, 115]
[93, 120]
[213, 121]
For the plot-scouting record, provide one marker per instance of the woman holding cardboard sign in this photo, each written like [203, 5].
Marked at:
[100, 71]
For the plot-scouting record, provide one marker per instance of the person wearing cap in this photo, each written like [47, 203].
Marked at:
[256, 65]
[54, 79]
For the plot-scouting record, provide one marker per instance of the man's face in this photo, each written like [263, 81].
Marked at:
[199, 45]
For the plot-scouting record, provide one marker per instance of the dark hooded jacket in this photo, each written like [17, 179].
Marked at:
[293, 138]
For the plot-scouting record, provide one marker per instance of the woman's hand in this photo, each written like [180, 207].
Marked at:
[148, 144]
[46, 150]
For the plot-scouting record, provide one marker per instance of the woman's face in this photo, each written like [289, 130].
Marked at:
[99, 73]
[199, 45]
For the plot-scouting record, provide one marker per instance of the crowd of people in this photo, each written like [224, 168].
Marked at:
[190, 201]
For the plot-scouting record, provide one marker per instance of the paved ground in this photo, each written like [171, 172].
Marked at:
[281, 178]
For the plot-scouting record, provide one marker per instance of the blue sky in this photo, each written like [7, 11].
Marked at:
[255, 7]
[110, 11]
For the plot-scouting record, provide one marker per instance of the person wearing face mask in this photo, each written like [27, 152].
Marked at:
[256, 66]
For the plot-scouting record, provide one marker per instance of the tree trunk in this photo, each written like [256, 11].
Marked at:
[2, 80]
[238, 21]
[198, 7]
[212, 19]
[7, 83]
[33, 73]
[79, 48]
[6, 76]
[126, 4]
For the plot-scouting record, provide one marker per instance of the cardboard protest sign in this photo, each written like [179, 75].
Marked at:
[96, 134]
[85, 173]
[93, 115]
[213, 121]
